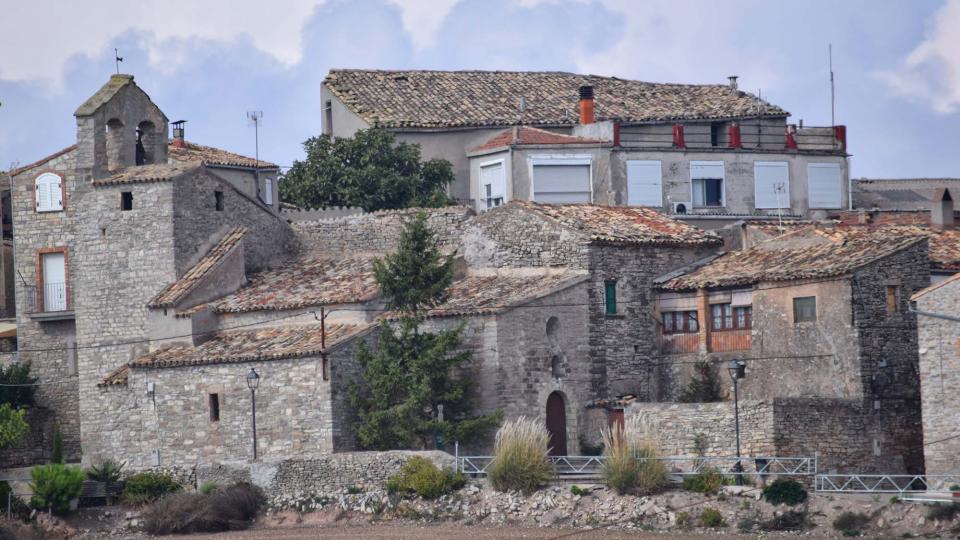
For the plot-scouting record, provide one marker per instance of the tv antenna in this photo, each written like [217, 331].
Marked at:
[254, 118]
[117, 59]
[833, 113]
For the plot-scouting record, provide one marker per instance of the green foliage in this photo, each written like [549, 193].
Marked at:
[17, 396]
[851, 523]
[785, 491]
[943, 512]
[54, 486]
[707, 481]
[711, 517]
[412, 372]
[420, 476]
[520, 456]
[368, 170]
[230, 509]
[209, 487]
[579, 491]
[18, 508]
[631, 464]
[704, 387]
[955, 487]
[13, 428]
[108, 471]
[684, 520]
[145, 487]
[57, 455]
[700, 444]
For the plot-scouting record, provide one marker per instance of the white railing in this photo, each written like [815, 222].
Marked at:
[885, 483]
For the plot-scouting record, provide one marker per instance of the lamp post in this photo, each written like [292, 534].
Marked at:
[738, 370]
[253, 381]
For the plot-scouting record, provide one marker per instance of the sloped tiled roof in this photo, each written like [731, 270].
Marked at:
[273, 343]
[104, 94]
[623, 224]
[209, 155]
[433, 99]
[116, 377]
[927, 290]
[161, 172]
[808, 255]
[175, 292]
[43, 160]
[531, 136]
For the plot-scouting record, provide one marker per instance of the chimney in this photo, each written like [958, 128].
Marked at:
[733, 135]
[678, 141]
[791, 132]
[733, 83]
[586, 105]
[941, 214]
[178, 140]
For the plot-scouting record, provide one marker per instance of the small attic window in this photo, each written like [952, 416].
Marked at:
[218, 200]
[126, 201]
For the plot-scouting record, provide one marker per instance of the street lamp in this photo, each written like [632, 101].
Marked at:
[253, 381]
[738, 370]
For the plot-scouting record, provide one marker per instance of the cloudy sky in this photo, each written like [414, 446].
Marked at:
[897, 64]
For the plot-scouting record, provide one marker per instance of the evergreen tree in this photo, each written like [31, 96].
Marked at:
[411, 372]
[704, 387]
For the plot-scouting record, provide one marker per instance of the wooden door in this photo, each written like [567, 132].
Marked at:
[557, 424]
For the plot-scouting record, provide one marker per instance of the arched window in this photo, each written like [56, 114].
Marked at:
[553, 325]
[556, 367]
[49, 192]
[147, 141]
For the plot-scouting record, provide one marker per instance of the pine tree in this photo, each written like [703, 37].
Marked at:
[412, 371]
[704, 387]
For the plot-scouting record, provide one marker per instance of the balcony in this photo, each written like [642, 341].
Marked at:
[52, 302]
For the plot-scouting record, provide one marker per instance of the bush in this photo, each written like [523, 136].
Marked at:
[791, 520]
[711, 517]
[631, 463]
[704, 387]
[54, 486]
[943, 512]
[520, 456]
[146, 487]
[851, 523]
[108, 471]
[18, 508]
[209, 487]
[785, 491]
[579, 491]
[228, 509]
[20, 395]
[419, 475]
[684, 520]
[706, 481]
[13, 428]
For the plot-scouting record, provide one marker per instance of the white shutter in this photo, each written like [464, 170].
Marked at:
[48, 188]
[706, 169]
[268, 190]
[492, 175]
[644, 183]
[561, 183]
[771, 184]
[824, 185]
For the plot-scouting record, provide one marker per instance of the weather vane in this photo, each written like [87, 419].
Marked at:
[117, 58]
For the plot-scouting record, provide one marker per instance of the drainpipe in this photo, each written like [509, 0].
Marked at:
[933, 314]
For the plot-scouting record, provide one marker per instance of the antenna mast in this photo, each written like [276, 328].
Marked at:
[254, 118]
[833, 107]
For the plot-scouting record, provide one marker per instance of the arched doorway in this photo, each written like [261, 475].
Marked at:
[557, 424]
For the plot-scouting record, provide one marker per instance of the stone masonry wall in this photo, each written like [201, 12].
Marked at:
[940, 378]
[673, 427]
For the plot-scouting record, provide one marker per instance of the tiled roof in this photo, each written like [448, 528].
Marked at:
[116, 377]
[531, 136]
[312, 279]
[43, 160]
[175, 292]
[432, 99]
[104, 94]
[800, 255]
[273, 343]
[935, 286]
[161, 172]
[209, 155]
[624, 224]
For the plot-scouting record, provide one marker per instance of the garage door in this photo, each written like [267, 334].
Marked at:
[561, 182]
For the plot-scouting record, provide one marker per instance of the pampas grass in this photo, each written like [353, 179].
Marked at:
[520, 456]
[631, 464]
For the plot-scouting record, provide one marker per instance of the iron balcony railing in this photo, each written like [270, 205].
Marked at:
[50, 298]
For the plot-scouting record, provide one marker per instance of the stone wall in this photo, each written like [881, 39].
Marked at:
[512, 236]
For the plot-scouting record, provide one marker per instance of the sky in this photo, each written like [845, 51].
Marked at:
[896, 64]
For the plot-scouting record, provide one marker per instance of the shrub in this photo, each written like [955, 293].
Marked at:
[704, 387]
[684, 520]
[16, 385]
[711, 517]
[209, 487]
[631, 463]
[54, 486]
[791, 520]
[108, 471]
[579, 491]
[228, 509]
[851, 523]
[520, 456]
[146, 487]
[18, 508]
[785, 491]
[943, 512]
[13, 428]
[419, 475]
[653, 473]
[706, 481]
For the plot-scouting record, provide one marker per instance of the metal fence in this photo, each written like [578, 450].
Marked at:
[885, 483]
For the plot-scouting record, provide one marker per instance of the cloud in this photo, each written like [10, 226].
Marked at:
[422, 19]
[930, 74]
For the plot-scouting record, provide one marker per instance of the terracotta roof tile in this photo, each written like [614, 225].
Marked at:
[116, 377]
[148, 173]
[175, 292]
[209, 155]
[273, 343]
[624, 224]
[531, 136]
[432, 99]
[804, 254]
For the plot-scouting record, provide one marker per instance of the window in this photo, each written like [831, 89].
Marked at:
[214, 400]
[680, 322]
[492, 185]
[644, 183]
[218, 200]
[561, 179]
[49, 192]
[556, 367]
[268, 191]
[707, 182]
[771, 184]
[824, 185]
[716, 130]
[126, 200]
[610, 297]
[53, 281]
[728, 317]
[805, 309]
[893, 299]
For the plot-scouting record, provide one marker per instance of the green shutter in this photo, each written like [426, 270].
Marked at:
[610, 296]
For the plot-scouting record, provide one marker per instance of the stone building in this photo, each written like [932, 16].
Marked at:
[709, 153]
[821, 317]
[938, 312]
